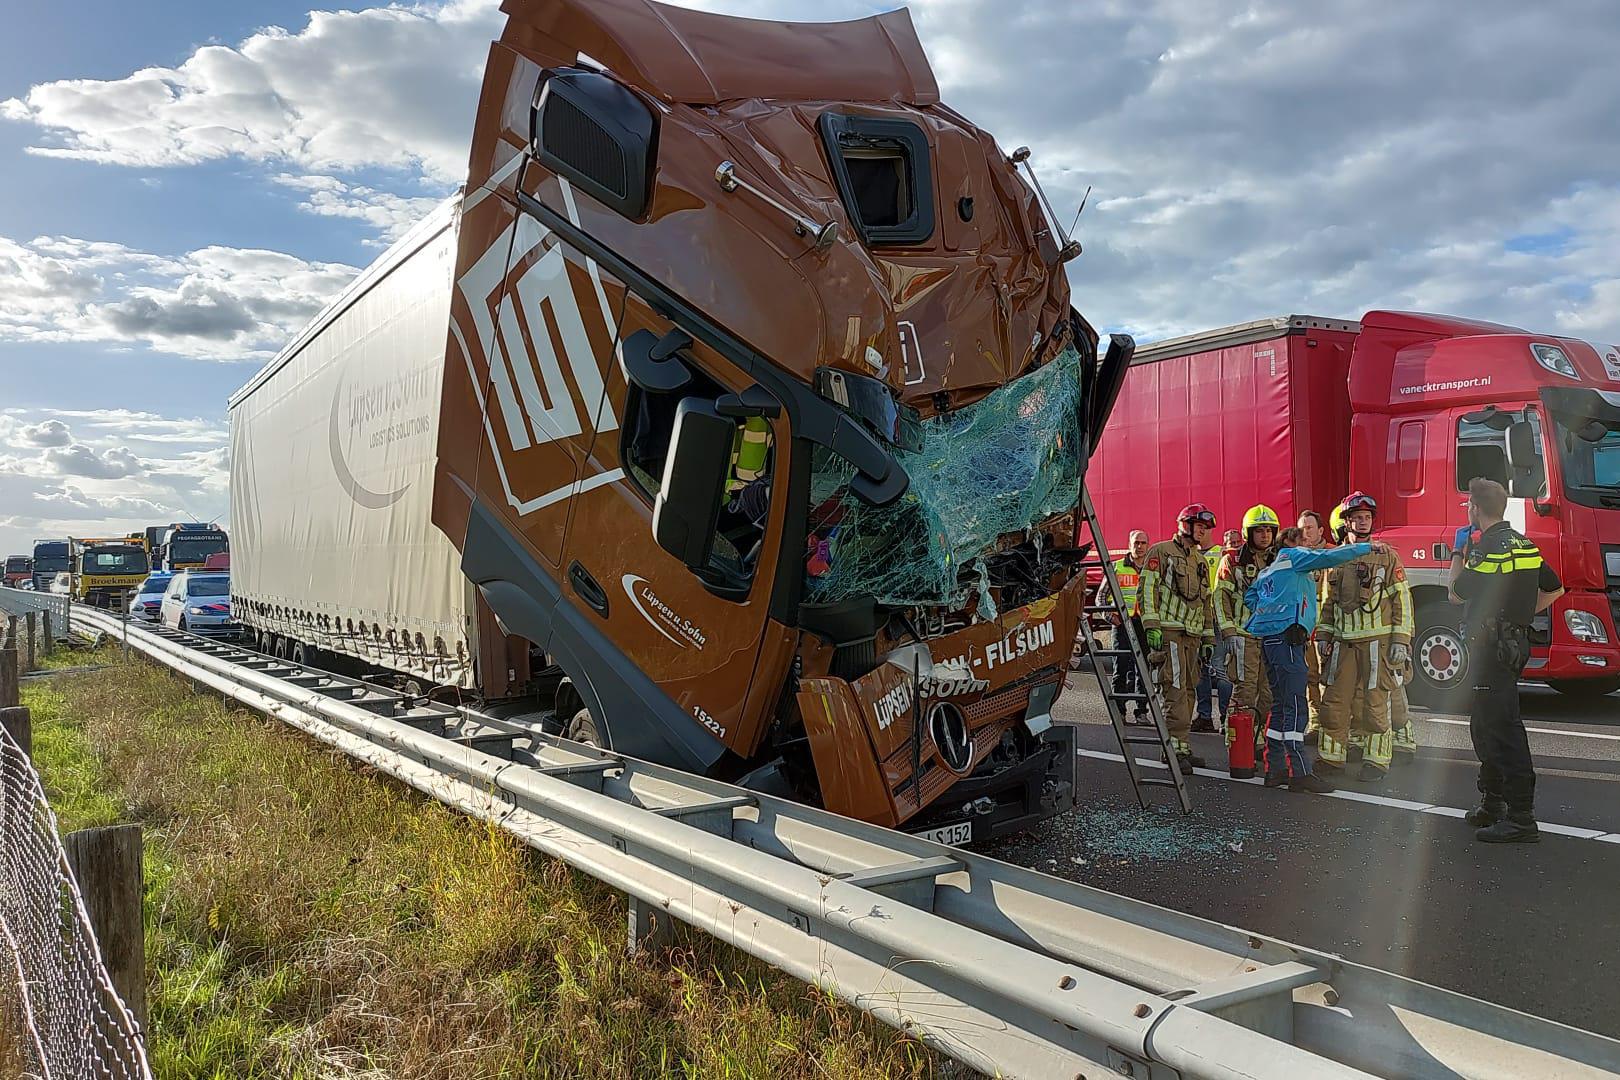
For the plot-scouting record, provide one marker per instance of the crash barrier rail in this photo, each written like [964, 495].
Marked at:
[22, 601]
[1008, 970]
[60, 1018]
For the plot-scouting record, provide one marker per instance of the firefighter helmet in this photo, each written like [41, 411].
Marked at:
[1356, 500]
[1194, 513]
[1260, 516]
[1336, 524]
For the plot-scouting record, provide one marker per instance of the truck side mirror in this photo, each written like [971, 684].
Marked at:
[1523, 481]
[687, 510]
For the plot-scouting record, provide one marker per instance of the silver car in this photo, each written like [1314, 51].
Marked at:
[199, 601]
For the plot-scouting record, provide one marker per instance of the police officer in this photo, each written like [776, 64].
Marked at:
[1178, 613]
[1504, 582]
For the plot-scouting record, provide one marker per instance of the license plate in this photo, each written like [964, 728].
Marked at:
[954, 835]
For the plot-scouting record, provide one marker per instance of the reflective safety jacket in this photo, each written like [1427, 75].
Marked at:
[1365, 599]
[1237, 572]
[1130, 580]
[1175, 589]
[1503, 573]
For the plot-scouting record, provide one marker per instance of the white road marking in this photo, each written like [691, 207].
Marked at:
[1376, 800]
[1532, 730]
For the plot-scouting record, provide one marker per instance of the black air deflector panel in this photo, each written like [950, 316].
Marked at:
[884, 173]
[595, 132]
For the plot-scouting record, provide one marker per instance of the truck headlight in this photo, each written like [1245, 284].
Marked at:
[1553, 359]
[1586, 627]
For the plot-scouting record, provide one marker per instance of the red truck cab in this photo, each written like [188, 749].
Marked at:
[1297, 411]
[1436, 401]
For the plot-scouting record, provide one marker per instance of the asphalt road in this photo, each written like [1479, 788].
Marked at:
[1397, 883]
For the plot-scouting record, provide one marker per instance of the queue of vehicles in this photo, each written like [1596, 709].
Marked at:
[110, 571]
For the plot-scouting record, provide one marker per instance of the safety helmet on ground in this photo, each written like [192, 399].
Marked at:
[1194, 513]
[1260, 516]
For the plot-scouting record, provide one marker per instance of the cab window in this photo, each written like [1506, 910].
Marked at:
[1482, 450]
[644, 448]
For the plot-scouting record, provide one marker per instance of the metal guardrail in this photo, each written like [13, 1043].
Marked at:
[22, 601]
[1005, 969]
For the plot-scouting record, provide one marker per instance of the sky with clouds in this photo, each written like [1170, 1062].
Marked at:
[182, 185]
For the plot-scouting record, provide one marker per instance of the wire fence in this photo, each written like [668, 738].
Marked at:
[60, 1018]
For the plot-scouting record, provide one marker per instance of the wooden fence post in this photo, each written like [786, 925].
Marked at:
[47, 643]
[106, 863]
[31, 626]
[20, 726]
[9, 688]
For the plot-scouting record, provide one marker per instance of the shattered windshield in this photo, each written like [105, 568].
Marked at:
[998, 466]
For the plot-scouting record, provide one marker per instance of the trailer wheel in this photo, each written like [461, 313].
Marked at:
[300, 654]
[582, 728]
[1439, 660]
[1585, 689]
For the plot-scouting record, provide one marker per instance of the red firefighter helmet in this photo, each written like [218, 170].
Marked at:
[1194, 513]
[1358, 500]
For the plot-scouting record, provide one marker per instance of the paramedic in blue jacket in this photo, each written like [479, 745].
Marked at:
[1282, 602]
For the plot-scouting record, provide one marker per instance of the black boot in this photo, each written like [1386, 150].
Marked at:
[1203, 725]
[1372, 774]
[1490, 810]
[1518, 827]
[1310, 782]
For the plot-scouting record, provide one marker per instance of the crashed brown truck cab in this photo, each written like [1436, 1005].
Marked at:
[684, 233]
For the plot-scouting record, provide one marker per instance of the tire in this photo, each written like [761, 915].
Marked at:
[1439, 660]
[582, 728]
[300, 654]
[1585, 689]
[182, 626]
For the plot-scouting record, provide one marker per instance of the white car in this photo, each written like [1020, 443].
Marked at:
[62, 583]
[199, 601]
[146, 602]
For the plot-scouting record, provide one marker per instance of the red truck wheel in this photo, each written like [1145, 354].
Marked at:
[1439, 660]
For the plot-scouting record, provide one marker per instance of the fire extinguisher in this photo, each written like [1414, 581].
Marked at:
[1240, 744]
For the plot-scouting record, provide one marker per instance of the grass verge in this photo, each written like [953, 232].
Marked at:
[308, 918]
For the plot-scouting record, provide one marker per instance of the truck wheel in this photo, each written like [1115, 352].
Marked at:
[1439, 660]
[582, 728]
[1585, 689]
[300, 654]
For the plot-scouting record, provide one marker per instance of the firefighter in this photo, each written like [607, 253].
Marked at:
[1251, 694]
[1128, 573]
[1213, 685]
[1365, 636]
[1505, 583]
[1178, 614]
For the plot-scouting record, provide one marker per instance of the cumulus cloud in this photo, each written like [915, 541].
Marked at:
[1245, 159]
[216, 303]
[390, 214]
[118, 470]
[45, 433]
[386, 86]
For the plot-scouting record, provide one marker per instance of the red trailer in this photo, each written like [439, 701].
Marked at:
[1297, 411]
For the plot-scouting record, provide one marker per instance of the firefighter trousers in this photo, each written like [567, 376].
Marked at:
[1177, 675]
[1506, 770]
[1251, 691]
[1313, 684]
[1357, 666]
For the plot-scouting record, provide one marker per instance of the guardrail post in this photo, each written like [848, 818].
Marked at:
[30, 628]
[651, 927]
[106, 864]
[10, 691]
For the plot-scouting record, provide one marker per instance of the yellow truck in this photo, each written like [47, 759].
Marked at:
[105, 569]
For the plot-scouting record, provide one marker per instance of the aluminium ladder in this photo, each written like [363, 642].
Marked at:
[1134, 730]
